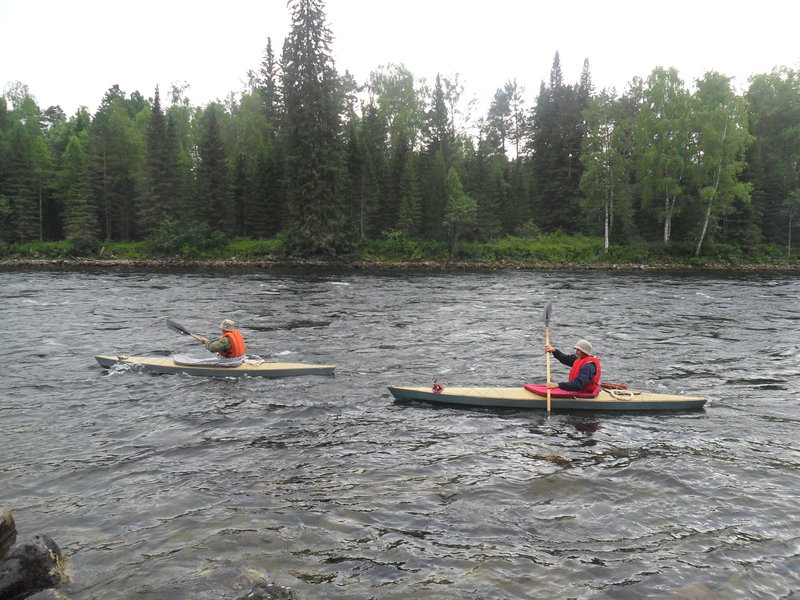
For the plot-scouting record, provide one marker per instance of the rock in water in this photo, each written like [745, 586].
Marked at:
[31, 566]
[264, 591]
[8, 531]
[48, 595]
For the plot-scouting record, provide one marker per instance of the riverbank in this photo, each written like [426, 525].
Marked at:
[543, 252]
[383, 264]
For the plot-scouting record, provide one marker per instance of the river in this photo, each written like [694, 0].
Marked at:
[158, 487]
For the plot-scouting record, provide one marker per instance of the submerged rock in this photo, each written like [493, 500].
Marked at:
[230, 581]
[265, 591]
[50, 594]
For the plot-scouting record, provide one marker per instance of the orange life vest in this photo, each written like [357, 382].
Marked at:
[592, 387]
[237, 347]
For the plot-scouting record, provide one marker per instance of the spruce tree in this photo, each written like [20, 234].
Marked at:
[80, 216]
[436, 163]
[268, 88]
[154, 201]
[312, 128]
[556, 136]
[213, 177]
[22, 188]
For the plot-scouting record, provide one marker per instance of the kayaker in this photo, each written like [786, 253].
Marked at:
[585, 373]
[231, 342]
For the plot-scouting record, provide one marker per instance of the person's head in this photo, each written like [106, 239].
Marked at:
[227, 325]
[583, 348]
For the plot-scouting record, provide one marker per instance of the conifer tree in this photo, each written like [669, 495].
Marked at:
[312, 128]
[268, 87]
[80, 218]
[154, 202]
[116, 151]
[43, 172]
[403, 187]
[556, 135]
[213, 178]
[22, 188]
[436, 162]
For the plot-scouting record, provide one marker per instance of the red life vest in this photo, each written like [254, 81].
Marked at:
[592, 387]
[237, 347]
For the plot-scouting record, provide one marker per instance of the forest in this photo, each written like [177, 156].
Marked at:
[320, 164]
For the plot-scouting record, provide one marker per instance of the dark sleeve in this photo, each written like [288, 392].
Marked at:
[582, 380]
[565, 359]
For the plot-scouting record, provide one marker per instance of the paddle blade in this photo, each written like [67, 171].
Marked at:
[176, 327]
[547, 309]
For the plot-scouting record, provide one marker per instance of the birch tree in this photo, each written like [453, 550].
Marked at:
[461, 210]
[605, 178]
[721, 140]
[662, 136]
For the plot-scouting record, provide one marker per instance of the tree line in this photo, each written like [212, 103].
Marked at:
[323, 162]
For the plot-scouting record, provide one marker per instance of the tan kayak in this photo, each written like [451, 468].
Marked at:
[255, 368]
[519, 397]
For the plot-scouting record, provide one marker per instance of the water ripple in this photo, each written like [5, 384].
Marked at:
[184, 487]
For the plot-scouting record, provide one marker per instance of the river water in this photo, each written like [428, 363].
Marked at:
[165, 487]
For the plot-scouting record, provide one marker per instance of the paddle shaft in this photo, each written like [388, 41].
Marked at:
[547, 343]
[548, 308]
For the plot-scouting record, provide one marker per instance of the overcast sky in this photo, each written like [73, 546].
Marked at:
[69, 52]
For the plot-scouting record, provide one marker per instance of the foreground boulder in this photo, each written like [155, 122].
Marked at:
[31, 566]
[8, 531]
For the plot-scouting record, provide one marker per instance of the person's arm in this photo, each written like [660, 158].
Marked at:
[565, 359]
[582, 380]
[219, 345]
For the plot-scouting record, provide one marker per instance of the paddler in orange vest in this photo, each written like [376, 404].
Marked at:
[585, 373]
[231, 342]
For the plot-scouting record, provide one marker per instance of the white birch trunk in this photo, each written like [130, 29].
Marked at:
[712, 198]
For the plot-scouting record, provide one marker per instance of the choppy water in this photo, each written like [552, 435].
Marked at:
[157, 486]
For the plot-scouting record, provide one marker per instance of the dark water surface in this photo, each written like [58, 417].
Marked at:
[156, 487]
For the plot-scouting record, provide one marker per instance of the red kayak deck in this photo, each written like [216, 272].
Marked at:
[557, 392]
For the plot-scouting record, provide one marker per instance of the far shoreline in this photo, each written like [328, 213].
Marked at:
[383, 264]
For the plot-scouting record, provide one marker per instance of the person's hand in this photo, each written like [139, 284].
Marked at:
[549, 348]
[204, 340]
[552, 385]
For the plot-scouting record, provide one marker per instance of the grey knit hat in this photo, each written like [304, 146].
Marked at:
[584, 347]
[227, 325]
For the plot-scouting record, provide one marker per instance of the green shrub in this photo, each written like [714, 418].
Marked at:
[83, 247]
[253, 248]
[188, 241]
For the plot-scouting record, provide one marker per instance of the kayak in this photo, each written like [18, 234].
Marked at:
[251, 368]
[520, 397]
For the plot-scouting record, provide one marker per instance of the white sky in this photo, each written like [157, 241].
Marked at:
[69, 52]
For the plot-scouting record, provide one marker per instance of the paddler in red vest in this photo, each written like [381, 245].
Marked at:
[231, 342]
[585, 373]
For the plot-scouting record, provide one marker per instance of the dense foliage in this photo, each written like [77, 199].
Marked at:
[318, 163]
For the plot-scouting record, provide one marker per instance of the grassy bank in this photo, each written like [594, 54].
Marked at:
[544, 251]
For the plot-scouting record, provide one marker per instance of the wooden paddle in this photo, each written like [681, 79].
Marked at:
[181, 329]
[547, 309]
